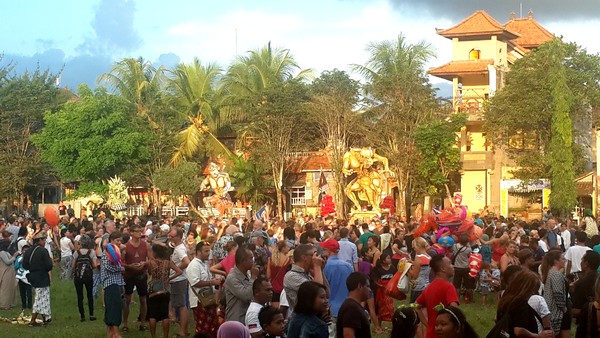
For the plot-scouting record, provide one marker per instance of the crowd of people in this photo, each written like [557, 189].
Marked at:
[307, 277]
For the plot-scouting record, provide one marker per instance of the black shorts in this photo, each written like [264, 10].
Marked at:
[140, 282]
[158, 307]
[566, 320]
[113, 305]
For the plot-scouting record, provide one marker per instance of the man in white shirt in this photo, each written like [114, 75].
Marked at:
[565, 235]
[179, 284]
[262, 291]
[575, 254]
[66, 254]
[201, 280]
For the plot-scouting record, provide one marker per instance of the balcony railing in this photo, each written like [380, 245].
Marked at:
[298, 201]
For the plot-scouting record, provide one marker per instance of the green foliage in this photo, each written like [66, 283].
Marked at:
[178, 180]
[249, 180]
[439, 155]
[399, 100]
[93, 138]
[333, 113]
[87, 188]
[560, 155]
[520, 115]
[23, 101]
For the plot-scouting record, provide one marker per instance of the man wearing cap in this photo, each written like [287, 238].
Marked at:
[39, 264]
[336, 271]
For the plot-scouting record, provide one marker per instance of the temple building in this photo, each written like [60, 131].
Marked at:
[483, 50]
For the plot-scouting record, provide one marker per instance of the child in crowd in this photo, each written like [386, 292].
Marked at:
[485, 281]
[272, 322]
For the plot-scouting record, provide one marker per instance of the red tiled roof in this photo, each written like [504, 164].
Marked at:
[313, 161]
[479, 23]
[453, 68]
[532, 34]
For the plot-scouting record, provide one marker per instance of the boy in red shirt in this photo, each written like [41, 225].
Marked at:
[440, 290]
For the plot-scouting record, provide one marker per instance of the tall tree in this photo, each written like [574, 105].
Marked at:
[93, 138]
[520, 116]
[333, 112]
[400, 98]
[267, 85]
[138, 82]
[439, 155]
[259, 69]
[278, 129]
[560, 155]
[193, 87]
[24, 100]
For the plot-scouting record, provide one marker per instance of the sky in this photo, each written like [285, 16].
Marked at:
[81, 39]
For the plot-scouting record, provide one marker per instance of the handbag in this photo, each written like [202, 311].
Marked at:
[205, 297]
[156, 286]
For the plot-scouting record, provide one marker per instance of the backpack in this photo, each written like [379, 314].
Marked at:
[14, 246]
[83, 267]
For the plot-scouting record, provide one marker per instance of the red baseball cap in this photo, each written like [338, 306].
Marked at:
[330, 244]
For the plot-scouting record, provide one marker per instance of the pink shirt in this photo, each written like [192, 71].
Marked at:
[229, 262]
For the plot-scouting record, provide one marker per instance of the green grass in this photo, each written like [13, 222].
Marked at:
[65, 317]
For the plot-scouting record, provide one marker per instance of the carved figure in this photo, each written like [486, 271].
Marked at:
[367, 185]
[219, 182]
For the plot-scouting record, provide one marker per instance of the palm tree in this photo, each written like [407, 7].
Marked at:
[138, 81]
[248, 83]
[193, 88]
[249, 181]
[401, 99]
[251, 74]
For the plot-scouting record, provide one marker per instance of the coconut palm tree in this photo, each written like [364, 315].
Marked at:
[401, 99]
[138, 81]
[251, 74]
[193, 88]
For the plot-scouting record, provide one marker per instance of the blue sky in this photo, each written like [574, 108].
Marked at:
[83, 38]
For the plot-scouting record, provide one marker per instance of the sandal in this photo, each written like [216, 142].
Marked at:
[143, 328]
[125, 329]
[35, 324]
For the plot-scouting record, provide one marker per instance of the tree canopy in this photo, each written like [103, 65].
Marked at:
[23, 101]
[92, 138]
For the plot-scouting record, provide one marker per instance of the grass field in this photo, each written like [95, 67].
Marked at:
[65, 318]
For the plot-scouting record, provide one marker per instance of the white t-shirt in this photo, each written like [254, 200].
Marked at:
[65, 247]
[179, 253]
[574, 255]
[48, 246]
[538, 303]
[20, 244]
[543, 245]
[197, 271]
[566, 236]
[251, 320]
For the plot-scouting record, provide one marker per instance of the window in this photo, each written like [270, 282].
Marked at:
[297, 195]
[474, 54]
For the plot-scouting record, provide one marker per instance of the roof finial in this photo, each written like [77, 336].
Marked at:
[530, 14]
[513, 16]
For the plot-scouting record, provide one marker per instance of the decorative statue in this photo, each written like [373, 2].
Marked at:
[367, 185]
[219, 182]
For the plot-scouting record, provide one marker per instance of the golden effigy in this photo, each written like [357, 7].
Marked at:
[219, 182]
[367, 185]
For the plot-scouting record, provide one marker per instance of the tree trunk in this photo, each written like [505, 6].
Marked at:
[401, 201]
